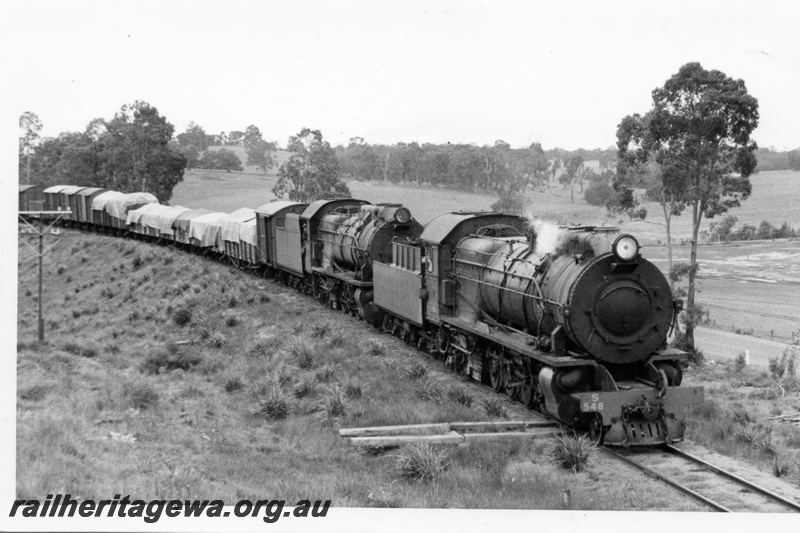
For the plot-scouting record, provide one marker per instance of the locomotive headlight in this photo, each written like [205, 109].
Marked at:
[402, 215]
[626, 248]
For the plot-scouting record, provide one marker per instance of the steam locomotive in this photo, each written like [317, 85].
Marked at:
[570, 321]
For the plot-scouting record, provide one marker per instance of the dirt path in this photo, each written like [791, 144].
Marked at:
[724, 345]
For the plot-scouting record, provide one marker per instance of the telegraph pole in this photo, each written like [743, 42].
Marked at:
[40, 230]
[41, 260]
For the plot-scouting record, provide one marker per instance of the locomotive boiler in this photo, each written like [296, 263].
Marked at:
[601, 295]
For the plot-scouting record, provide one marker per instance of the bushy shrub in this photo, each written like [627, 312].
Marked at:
[141, 395]
[82, 351]
[511, 203]
[598, 193]
[755, 435]
[170, 358]
[740, 363]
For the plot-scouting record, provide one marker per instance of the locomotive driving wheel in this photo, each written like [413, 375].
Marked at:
[526, 395]
[496, 373]
[513, 387]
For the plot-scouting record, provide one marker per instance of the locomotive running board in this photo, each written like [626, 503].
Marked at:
[518, 342]
[342, 277]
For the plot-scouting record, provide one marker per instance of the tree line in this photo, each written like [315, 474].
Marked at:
[130, 152]
[497, 169]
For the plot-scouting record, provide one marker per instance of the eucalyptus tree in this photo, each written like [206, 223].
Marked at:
[698, 133]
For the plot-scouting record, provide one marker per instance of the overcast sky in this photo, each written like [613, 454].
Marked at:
[559, 73]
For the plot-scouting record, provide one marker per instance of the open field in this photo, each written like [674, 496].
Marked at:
[752, 287]
[774, 198]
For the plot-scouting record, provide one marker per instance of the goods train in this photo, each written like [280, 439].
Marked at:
[570, 321]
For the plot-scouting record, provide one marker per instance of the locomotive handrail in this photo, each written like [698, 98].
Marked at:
[523, 294]
[493, 269]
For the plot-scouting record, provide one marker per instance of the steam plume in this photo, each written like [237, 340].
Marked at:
[550, 239]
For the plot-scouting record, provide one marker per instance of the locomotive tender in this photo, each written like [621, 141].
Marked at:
[575, 327]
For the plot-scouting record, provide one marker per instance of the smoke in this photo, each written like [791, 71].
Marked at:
[550, 239]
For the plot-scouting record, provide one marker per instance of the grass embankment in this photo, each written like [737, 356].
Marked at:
[738, 417]
[167, 375]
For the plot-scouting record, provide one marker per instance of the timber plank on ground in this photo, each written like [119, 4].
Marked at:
[448, 433]
[399, 440]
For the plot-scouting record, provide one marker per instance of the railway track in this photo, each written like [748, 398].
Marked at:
[713, 486]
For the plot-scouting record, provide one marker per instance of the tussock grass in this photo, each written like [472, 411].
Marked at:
[375, 348]
[302, 351]
[233, 384]
[333, 402]
[273, 405]
[494, 407]
[572, 452]
[182, 316]
[422, 463]
[460, 395]
[321, 330]
[231, 319]
[429, 390]
[415, 371]
[337, 339]
[216, 339]
[305, 386]
[353, 388]
[326, 372]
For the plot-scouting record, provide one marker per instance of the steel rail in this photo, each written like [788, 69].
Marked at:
[672, 483]
[732, 477]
